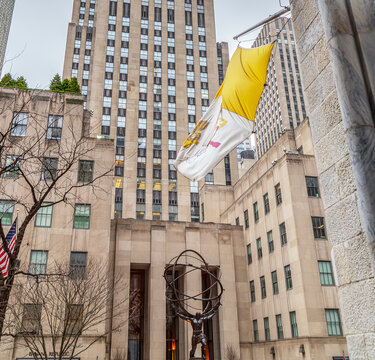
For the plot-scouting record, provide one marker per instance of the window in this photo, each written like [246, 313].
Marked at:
[288, 277]
[32, 314]
[73, 318]
[19, 124]
[279, 199]
[12, 164]
[318, 227]
[43, 217]
[54, 128]
[38, 262]
[249, 256]
[283, 237]
[312, 186]
[333, 322]
[275, 285]
[266, 203]
[85, 171]
[126, 10]
[326, 275]
[270, 241]
[266, 329]
[293, 324]
[259, 248]
[78, 262]
[246, 219]
[279, 325]
[49, 168]
[263, 287]
[255, 330]
[141, 196]
[252, 291]
[237, 221]
[6, 212]
[201, 20]
[256, 211]
[82, 216]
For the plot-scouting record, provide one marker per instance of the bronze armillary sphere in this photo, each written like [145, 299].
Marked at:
[205, 303]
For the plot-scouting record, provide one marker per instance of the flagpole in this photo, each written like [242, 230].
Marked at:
[18, 210]
[265, 21]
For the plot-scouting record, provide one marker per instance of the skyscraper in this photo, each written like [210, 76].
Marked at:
[282, 105]
[148, 70]
[6, 13]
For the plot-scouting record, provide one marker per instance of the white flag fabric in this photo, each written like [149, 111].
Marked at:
[230, 118]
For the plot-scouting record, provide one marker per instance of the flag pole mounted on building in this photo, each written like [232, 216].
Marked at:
[230, 118]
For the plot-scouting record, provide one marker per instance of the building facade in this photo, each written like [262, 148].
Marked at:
[295, 311]
[6, 13]
[79, 230]
[281, 106]
[148, 70]
[337, 90]
[280, 296]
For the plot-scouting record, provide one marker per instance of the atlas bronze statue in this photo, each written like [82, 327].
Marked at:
[208, 299]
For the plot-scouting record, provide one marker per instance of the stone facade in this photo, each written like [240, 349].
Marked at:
[59, 238]
[301, 248]
[6, 13]
[335, 98]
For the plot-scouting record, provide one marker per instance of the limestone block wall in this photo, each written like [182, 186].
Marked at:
[6, 12]
[351, 252]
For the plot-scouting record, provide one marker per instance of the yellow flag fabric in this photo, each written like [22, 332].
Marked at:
[244, 80]
[230, 118]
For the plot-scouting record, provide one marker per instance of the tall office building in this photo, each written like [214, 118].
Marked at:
[281, 106]
[6, 13]
[148, 70]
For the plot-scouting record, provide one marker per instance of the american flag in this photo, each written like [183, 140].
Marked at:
[11, 241]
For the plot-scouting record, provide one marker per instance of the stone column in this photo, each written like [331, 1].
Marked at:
[121, 236]
[157, 301]
[193, 285]
[228, 315]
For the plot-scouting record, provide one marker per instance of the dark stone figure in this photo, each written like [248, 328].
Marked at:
[208, 299]
[197, 325]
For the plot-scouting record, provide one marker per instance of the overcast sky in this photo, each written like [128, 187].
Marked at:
[37, 36]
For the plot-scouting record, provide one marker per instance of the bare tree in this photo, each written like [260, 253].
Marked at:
[62, 314]
[40, 156]
[230, 353]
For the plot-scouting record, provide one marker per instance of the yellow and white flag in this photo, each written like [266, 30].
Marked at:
[230, 118]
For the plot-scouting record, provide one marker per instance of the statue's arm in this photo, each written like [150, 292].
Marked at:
[212, 312]
[179, 313]
[182, 316]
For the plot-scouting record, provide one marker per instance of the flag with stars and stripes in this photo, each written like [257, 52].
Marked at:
[11, 242]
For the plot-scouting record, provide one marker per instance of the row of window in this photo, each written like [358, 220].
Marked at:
[325, 273]
[275, 285]
[43, 217]
[318, 229]
[312, 191]
[332, 320]
[49, 170]
[38, 263]
[54, 125]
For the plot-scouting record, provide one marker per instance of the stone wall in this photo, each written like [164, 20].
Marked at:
[351, 252]
[6, 12]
